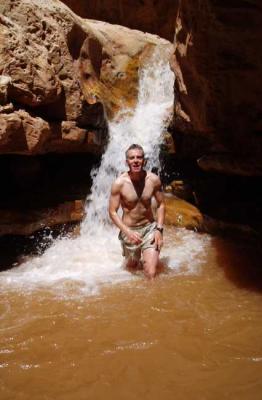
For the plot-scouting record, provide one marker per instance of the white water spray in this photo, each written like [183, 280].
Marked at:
[143, 126]
[94, 258]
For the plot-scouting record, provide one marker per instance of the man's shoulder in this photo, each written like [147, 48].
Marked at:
[154, 178]
[120, 180]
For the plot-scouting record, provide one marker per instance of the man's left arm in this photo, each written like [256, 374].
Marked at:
[160, 214]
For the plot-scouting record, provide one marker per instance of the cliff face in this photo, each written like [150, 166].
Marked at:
[217, 52]
[59, 74]
[217, 119]
[57, 70]
[154, 16]
[42, 105]
[218, 68]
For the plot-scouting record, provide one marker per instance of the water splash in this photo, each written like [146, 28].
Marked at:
[94, 258]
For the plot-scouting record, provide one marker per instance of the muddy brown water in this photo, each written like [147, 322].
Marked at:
[183, 336]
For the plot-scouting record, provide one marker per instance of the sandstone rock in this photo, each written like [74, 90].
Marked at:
[109, 64]
[181, 189]
[156, 16]
[168, 143]
[15, 222]
[230, 164]
[22, 133]
[72, 132]
[4, 84]
[61, 68]
[218, 64]
[67, 137]
[31, 78]
[182, 214]
[7, 108]
[25, 134]
[38, 51]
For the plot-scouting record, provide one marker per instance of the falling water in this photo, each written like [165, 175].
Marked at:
[94, 258]
[144, 126]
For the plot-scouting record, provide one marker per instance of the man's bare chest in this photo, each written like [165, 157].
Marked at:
[134, 194]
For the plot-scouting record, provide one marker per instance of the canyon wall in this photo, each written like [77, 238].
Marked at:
[59, 74]
[61, 78]
[217, 121]
[61, 70]
[218, 69]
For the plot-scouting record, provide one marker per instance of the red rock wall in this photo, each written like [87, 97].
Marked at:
[217, 63]
[218, 53]
[154, 16]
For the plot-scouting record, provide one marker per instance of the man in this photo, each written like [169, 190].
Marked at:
[139, 232]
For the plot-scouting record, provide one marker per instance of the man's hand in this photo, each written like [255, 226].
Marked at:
[133, 237]
[158, 240]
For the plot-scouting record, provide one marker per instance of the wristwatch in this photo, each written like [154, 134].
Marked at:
[160, 229]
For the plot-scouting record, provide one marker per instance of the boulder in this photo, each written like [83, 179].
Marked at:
[19, 222]
[22, 133]
[110, 60]
[182, 214]
[156, 16]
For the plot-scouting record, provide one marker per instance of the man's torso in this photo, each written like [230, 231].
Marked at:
[135, 199]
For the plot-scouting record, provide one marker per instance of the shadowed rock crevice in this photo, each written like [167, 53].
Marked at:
[43, 191]
[75, 39]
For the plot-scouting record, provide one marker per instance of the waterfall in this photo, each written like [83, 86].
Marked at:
[143, 126]
[94, 258]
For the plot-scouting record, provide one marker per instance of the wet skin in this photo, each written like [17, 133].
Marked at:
[133, 191]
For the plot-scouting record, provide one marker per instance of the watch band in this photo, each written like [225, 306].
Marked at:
[160, 229]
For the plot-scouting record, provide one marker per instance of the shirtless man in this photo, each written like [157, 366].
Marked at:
[139, 232]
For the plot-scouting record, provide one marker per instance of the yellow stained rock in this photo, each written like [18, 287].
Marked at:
[181, 213]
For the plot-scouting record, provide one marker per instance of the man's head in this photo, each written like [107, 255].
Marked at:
[135, 158]
[135, 146]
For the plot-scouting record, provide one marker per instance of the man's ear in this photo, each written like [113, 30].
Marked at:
[145, 162]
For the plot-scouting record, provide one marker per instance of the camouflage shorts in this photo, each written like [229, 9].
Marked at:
[131, 250]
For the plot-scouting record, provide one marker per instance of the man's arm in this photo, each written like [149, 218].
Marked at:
[114, 203]
[160, 213]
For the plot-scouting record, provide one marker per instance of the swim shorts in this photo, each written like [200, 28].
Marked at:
[131, 250]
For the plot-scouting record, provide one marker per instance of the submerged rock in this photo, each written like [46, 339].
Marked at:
[182, 214]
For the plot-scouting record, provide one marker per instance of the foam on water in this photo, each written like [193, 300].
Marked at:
[94, 258]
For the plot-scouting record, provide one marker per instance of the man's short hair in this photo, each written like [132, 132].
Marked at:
[133, 147]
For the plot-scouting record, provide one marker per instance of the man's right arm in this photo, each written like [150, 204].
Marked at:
[114, 203]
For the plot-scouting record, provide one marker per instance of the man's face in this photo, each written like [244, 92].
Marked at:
[135, 160]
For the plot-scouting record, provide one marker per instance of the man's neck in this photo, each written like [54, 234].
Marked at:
[137, 176]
